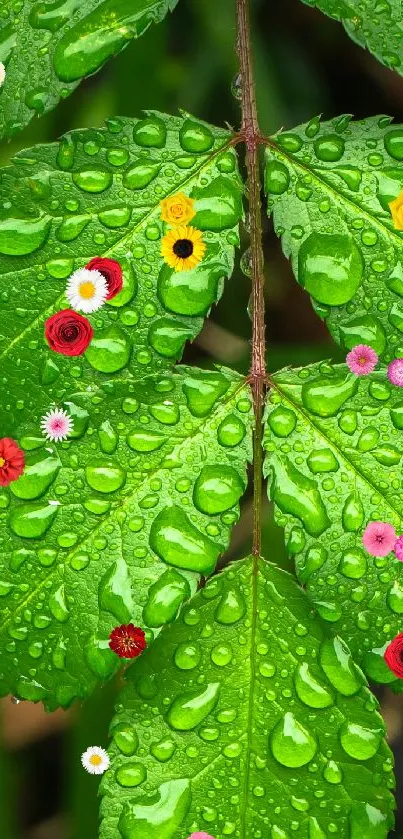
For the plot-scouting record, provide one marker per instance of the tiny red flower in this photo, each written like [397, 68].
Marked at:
[12, 461]
[112, 272]
[393, 655]
[68, 333]
[127, 641]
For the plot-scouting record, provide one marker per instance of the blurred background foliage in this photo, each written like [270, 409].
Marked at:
[305, 64]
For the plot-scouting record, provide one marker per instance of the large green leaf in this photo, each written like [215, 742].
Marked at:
[116, 524]
[377, 26]
[334, 446]
[261, 725]
[97, 193]
[49, 47]
[329, 186]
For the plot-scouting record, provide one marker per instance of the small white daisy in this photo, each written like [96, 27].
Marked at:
[56, 425]
[86, 290]
[95, 760]
[2, 74]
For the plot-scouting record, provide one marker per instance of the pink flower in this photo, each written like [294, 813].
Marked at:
[379, 538]
[56, 425]
[362, 360]
[200, 835]
[395, 372]
[398, 549]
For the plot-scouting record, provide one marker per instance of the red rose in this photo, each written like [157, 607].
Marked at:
[112, 272]
[127, 641]
[394, 655]
[12, 461]
[68, 333]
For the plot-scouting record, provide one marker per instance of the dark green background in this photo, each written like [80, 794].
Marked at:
[305, 65]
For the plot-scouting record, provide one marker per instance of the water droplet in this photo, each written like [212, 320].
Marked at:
[105, 476]
[322, 460]
[52, 15]
[221, 655]
[360, 742]
[339, 667]
[125, 738]
[150, 132]
[218, 205]
[325, 395]
[58, 604]
[332, 773]
[109, 350]
[165, 598]
[353, 564]
[309, 689]
[93, 180]
[231, 431]
[367, 821]
[140, 175]
[107, 437]
[178, 542]
[217, 488]
[298, 495]
[330, 267]
[292, 745]
[365, 329]
[195, 137]
[163, 750]
[115, 593]
[191, 708]
[187, 656]
[277, 178]
[203, 390]
[353, 513]
[394, 143]
[231, 607]
[20, 237]
[167, 337]
[282, 421]
[159, 816]
[329, 147]
[41, 469]
[131, 774]
[395, 598]
[141, 440]
[190, 292]
[31, 521]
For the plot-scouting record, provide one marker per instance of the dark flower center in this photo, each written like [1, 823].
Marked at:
[183, 248]
[70, 333]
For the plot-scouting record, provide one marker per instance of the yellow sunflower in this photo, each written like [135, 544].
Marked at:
[396, 208]
[183, 248]
[177, 209]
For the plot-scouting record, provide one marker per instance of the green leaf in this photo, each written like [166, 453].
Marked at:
[261, 724]
[116, 524]
[374, 26]
[48, 48]
[334, 453]
[329, 186]
[98, 193]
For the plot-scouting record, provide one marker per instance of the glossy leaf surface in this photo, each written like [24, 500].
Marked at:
[49, 47]
[334, 445]
[245, 718]
[374, 26]
[329, 187]
[117, 524]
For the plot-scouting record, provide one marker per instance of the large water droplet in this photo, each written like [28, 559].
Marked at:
[325, 395]
[167, 337]
[140, 175]
[358, 741]
[309, 689]
[150, 132]
[231, 431]
[31, 521]
[191, 708]
[367, 821]
[58, 604]
[105, 476]
[339, 667]
[218, 205]
[115, 593]
[298, 495]
[125, 738]
[195, 137]
[141, 440]
[131, 774]
[231, 607]
[330, 267]
[93, 180]
[217, 489]
[292, 745]
[178, 542]
[353, 513]
[353, 564]
[40, 471]
[21, 236]
[190, 292]
[165, 597]
[109, 350]
[202, 391]
[395, 598]
[277, 177]
[158, 816]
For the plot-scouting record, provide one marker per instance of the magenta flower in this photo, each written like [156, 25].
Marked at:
[200, 835]
[398, 549]
[395, 372]
[379, 538]
[362, 359]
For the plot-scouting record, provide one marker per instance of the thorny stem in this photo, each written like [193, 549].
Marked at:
[250, 134]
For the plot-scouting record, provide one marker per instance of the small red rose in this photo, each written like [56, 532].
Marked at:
[68, 333]
[12, 461]
[112, 272]
[393, 655]
[127, 641]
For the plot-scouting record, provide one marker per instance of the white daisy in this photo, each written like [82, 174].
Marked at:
[56, 425]
[95, 760]
[2, 74]
[87, 290]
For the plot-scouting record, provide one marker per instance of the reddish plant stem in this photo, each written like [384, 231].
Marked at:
[251, 136]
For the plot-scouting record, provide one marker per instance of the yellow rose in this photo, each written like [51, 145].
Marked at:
[177, 209]
[396, 208]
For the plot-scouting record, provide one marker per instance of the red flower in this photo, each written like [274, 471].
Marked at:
[394, 655]
[12, 461]
[127, 641]
[112, 272]
[68, 333]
